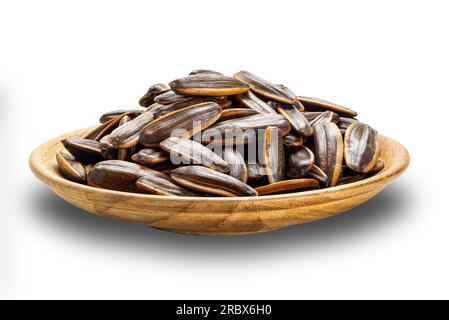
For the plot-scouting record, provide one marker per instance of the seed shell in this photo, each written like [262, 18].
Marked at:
[150, 157]
[361, 147]
[236, 164]
[251, 101]
[84, 150]
[159, 183]
[297, 120]
[152, 93]
[287, 185]
[208, 84]
[132, 113]
[312, 104]
[69, 167]
[273, 155]
[298, 162]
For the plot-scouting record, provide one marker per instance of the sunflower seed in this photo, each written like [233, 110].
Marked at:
[297, 120]
[251, 101]
[206, 180]
[190, 119]
[117, 175]
[127, 135]
[107, 149]
[207, 84]
[316, 104]
[232, 130]
[193, 152]
[236, 164]
[170, 97]
[316, 173]
[84, 150]
[103, 129]
[153, 92]
[132, 113]
[150, 157]
[69, 167]
[266, 88]
[273, 155]
[256, 172]
[159, 183]
[298, 162]
[291, 140]
[328, 151]
[287, 185]
[345, 122]
[204, 71]
[159, 110]
[235, 113]
[327, 116]
[361, 147]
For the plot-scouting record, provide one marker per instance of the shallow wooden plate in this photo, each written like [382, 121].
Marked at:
[217, 216]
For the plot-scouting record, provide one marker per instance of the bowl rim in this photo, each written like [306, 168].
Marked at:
[43, 173]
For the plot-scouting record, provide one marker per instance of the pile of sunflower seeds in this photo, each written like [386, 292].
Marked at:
[208, 134]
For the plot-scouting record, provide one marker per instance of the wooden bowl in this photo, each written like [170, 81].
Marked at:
[217, 216]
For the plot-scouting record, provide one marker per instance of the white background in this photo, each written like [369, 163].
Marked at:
[63, 63]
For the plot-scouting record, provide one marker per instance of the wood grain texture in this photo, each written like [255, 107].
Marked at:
[217, 216]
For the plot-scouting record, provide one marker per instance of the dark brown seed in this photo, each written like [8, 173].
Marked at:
[273, 155]
[204, 71]
[297, 120]
[316, 104]
[150, 157]
[122, 153]
[132, 113]
[69, 167]
[170, 97]
[236, 164]
[161, 184]
[327, 116]
[153, 92]
[189, 120]
[298, 162]
[287, 185]
[127, 135]
[103, 129]
[206, 180]
[107, 149]
[192, 152]
[316, 173]
[235, 113]
[117, 175]
[291, 140]
[328, 144]
[361, 147]
[256, 172]
[159, 110]
[207, 84]
[291, 94]
[242, 130]
[265, 88]
[84, 150]
[250, 100]
[377, 167]
[345, 122]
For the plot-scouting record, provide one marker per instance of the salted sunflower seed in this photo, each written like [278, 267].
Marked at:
[251, 101]
[170, 97]
[132, 113]
[232, 130]
[292, 140]
[326, 116]
[291, 94]
[159, 110]
[122, 153]
[266, 88]
[316, 104]
[103, 129]
[127, 135]
[256, 172]
[361, 147]
[84, 150]
[298, 162]
[235, 113]
[107, 149]
[190, 119]
[70, 167]
[237, 166]
[204, 71]
[193, 152]
[316, 173]
[297, 120]
[150, 157]
[206, 180]
[273, 155]
[117, 175]
[328, 144]
[152, 93]
[207, 84]
[287, 185]
[345, 122]
[155, 182]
